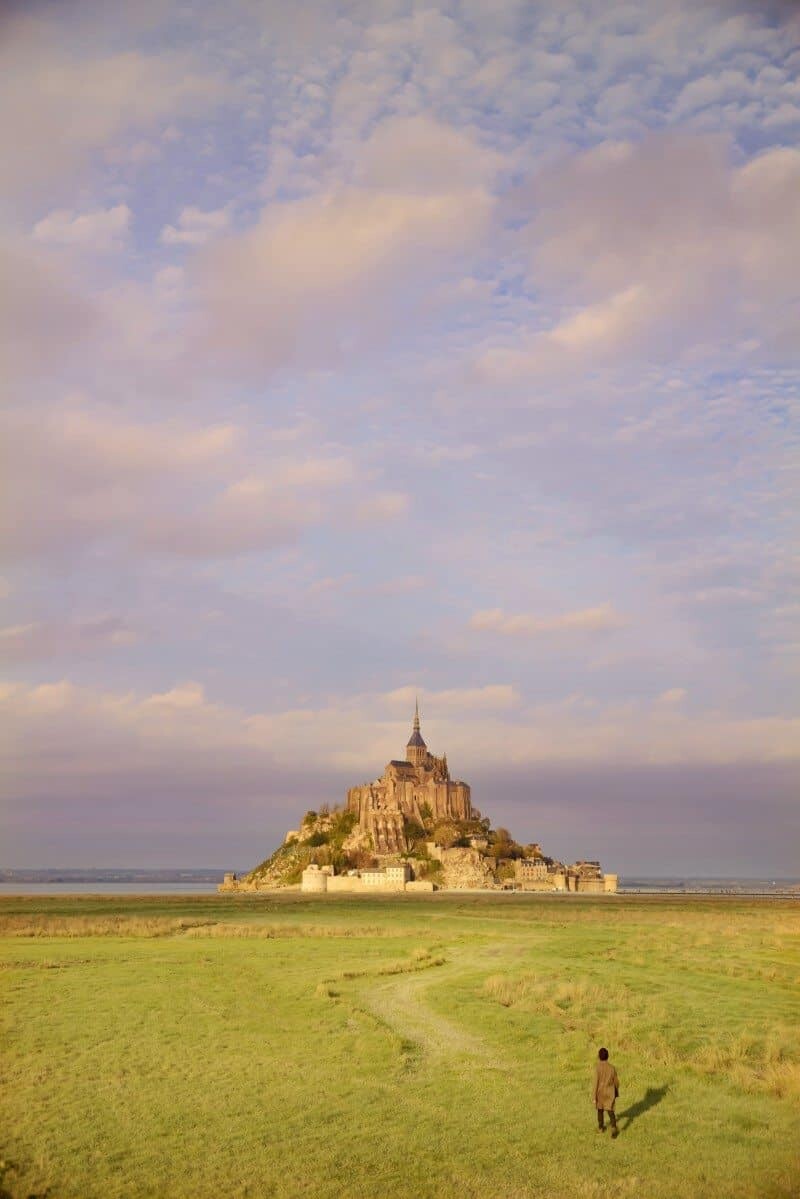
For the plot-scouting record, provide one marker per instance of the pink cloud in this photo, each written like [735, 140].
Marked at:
[527, 624]
[658, 248]
[101, 230]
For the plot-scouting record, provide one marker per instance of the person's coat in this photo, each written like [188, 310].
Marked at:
[606, 1086]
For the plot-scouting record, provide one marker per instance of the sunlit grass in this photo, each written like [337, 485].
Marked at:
[428, 1046]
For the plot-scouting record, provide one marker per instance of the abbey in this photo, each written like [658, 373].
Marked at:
[417, 787]
[413, 829]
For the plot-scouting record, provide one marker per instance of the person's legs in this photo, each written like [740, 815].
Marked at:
[613, 1118]
[600, 1125]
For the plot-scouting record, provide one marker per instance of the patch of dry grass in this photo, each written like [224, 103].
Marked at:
[37, 925]
[267, 932]
[409, 967]
[767, 1063]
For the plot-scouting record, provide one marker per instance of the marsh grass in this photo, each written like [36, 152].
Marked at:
[415, 1046]
[410, 967]
[95, 926]
[164, 926]
[768, 1062]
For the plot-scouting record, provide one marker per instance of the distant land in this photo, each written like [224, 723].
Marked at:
[711, 886]
[107, 874]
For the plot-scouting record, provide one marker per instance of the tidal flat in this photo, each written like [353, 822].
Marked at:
[428, 1046]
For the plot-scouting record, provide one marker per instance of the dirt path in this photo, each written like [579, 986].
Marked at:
[402, 1003]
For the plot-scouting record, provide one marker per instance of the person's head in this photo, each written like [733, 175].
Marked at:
[603, 1055]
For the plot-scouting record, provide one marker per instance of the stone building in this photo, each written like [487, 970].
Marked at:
[410, 787]
[543, 874]
[531, 870]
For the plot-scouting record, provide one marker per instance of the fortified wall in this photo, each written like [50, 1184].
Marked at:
[321, 879]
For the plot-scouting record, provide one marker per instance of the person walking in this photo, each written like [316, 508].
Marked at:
[606, 1089]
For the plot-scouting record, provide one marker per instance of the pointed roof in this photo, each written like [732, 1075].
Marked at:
[416, 735]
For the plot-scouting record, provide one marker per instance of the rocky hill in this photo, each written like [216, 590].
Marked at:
[454, 854]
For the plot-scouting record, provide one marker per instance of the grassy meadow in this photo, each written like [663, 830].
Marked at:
[443, 1045]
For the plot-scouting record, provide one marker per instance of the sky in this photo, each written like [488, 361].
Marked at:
[359, 351]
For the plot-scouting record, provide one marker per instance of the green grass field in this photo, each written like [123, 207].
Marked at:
[419, 1046]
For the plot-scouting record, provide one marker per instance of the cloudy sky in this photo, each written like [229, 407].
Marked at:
[365, 349]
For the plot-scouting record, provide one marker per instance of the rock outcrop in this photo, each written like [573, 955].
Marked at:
[466, 869]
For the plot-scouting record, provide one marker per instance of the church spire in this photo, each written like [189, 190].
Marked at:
[416, 748]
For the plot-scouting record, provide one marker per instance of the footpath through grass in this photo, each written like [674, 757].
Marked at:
[398, 1046]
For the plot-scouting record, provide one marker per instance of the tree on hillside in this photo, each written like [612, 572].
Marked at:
[445, 835]
[504, 846]
[415, 833]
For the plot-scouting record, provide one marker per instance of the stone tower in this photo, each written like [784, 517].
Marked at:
[416, 750]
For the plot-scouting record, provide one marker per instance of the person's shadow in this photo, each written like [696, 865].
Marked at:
[652, 1096]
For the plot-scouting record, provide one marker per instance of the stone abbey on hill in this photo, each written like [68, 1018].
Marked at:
[414, 828]
[417, 788]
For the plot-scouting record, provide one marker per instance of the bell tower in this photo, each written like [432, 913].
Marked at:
[416, 750]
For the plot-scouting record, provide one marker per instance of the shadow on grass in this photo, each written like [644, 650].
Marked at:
[652, 1096]
[6, 1168]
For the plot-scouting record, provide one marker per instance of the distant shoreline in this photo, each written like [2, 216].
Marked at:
[204, 874]
[205, 884]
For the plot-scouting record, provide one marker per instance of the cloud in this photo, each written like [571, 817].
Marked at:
[80, 475]
[105, 444]
[185, 695]
[43, 317]
[657, 249]
[384, 505]
[606, 324]
[196, 227]
[82, 731]
[435, 455]
[241, 518]
[108, 96]
[321, 277]
[41, 641]
[675, 695]
[494, 696]
[526, 624]
[402, 585]
[419, 155]
[103, 230]
[237, 779]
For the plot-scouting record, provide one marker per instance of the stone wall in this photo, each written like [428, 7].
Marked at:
[344, 882]
[592, 886]
[393, 878]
